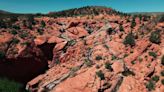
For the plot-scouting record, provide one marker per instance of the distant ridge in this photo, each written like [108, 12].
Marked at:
[87, 10]
[4, 12]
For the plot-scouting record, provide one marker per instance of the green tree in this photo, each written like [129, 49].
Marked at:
[155, 37]
[129, 40]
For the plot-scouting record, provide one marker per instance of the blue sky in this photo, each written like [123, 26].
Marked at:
[45, 6]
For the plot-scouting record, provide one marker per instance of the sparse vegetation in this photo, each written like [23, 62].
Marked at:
[40, 31]
[127, 72]
[2, 54]
[162, 60]
[14, 32]
[9, 86]
[15, 41]
[150, 85]
[155, 78]
[162, 73]
[133, 23]
[100, 74]
[23, 35]
[98, 57]
[162, 81]
[153, 54]
[121, 28]
[114, 57]
[155, 37]
[129, 40]
[88, 63]
[43, 24]
[108, 66]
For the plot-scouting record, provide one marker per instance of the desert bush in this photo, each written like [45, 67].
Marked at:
[133, 23]
[155, 78]
[43, 24]
[40, 31]
[14, 32]
[129, 40]
[108, 66]
[162, 73]
[98, 57]
[162, 60]
[150, 85]
[15, 41]
[121, 28]
[23, 35]
[100, 74]
[9, 86]
[153, 54]
[155, 37]
[2, 54]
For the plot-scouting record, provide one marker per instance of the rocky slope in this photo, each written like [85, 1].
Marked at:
[89, 53]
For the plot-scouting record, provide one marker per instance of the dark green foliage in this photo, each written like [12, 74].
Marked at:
[100, 74]
[150, 86]
[98, 58]
[43, 24]
[15, 41]
[2, 54]
[153, 54]
[125, 55]
[127, 72]
[14, 32]
[88, 63]
[162, 60]
[121, 28]
[155, 78]
[16, 27]
[23, 35]
[162, 81]
[161, 18]
[109, 31]
[129, 40]
[155, 37]
[114, 57]
[162, 73]
[40, 31]
[2, 24]
[133, 23]
[9, 86]
[108, 66]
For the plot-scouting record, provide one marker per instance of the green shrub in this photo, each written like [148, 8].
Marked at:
[88, 63]
[23, 35]
[108, 66]
[153, 54]
[162, 73]
[121, 28]
[133, 23]
[114, 57]
[127, 72]
[129, 40]
[15, 41]
[155, 37]
[40, 31]
[43, 24]
[162, 60]
[9, 86]
[150, 86]
[98, 58]
[14, 32]
[2, 54]
[100, 74]
[155, 78]
[162, 81]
